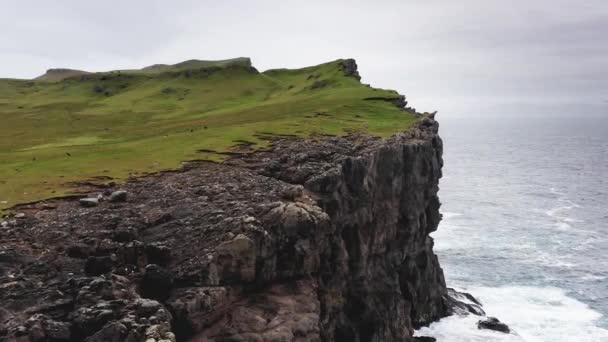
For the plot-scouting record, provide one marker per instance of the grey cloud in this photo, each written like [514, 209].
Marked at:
[439, 52]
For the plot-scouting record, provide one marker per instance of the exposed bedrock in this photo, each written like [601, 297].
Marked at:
[319, 240]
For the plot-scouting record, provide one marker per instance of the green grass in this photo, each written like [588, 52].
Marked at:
[130, 123]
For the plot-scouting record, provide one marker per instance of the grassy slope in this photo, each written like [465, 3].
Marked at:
[117, 124]
[194, 63]
[56, 75]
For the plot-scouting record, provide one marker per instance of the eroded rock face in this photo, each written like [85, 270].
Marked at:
[319, 240]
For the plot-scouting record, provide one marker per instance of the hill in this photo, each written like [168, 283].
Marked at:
[56, 75]
[97, 127]
[60, 74]
[195, 63]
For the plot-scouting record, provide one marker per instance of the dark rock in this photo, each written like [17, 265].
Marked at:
[114, 332]
[40, 327]
[104, 316]
[462, 303]
[424, 339]
[400, 102]
[118, 196]
[492, 323]
[157, 253]
[147, 307]
[56, 331]
[161, 218]
[156, 283]
[125, 234]
[349, 67]
[98, 265]
[320, 84]
[79, 251]
[294, 192]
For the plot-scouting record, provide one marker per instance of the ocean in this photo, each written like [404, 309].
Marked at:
[525, 224]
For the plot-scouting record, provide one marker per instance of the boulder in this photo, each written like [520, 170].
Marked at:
[492, 323]
[463, 304]
[147, 307]
[89, 202]
[118, 196]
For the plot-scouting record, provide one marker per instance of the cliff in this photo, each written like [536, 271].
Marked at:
[324, 239]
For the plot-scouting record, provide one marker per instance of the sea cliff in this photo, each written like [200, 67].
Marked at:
[321, 239]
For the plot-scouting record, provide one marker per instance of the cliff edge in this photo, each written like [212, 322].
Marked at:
[324, 239]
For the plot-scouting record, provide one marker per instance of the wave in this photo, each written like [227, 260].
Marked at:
[592, 277]
[559, 213]
[535, 314]
[550, 260]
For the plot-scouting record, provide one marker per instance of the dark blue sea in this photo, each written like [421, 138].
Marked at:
[525, 223]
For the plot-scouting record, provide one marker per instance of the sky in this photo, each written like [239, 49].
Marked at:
[445, 55]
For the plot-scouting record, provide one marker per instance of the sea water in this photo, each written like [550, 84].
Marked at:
[525, 225]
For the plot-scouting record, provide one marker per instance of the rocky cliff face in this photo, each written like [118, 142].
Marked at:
[325, 239]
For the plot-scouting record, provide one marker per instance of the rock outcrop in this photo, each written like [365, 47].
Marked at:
[492, 323]
[325, 239]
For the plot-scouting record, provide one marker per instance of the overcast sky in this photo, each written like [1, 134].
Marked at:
[443, 54]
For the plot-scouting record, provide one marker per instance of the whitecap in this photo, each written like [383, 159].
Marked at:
[559, 213]
[592, 277]
[550, 260]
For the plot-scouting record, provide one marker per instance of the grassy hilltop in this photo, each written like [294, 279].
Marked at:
[69, 126]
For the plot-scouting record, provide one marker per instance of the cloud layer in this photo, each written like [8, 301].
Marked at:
[443, 54]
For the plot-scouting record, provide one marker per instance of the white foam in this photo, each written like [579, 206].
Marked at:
[464, 329]
[559, 213]
[592, 277]
[534, 314]
[550, 260]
